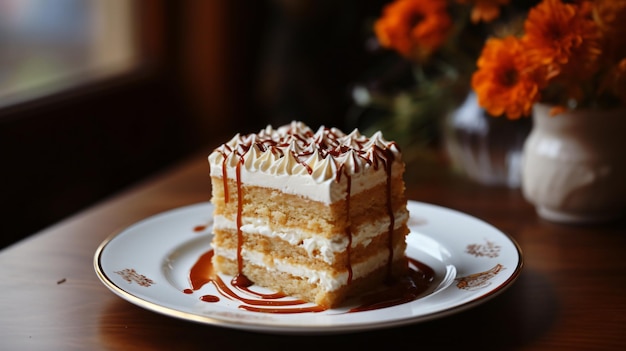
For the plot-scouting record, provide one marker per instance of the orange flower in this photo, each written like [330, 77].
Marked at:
[616, 80]
[563, 37]
[485, 10]
[504, 81]
[611, 18]
[610, 14]
[414, 28]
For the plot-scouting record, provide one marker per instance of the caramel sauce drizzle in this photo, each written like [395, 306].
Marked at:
[392, 219]
[199, 228]
[202, 273]
[224, 172]
[349, 229]
[326, 147]
[240, 278]
[402, 290]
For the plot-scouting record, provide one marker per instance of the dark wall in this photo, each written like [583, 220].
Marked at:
[211, 68]
[60, 157]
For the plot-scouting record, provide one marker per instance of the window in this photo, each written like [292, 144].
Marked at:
[47, 46]
[78, 118]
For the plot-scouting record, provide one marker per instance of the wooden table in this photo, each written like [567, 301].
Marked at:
[571, 294]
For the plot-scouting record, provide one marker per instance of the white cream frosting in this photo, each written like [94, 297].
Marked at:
[295, 160]
[325, 279]
[310, 241]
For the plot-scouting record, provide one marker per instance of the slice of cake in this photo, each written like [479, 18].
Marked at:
[316, 215]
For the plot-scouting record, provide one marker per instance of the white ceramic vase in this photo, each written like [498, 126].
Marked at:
[574, 165]
[485, 148]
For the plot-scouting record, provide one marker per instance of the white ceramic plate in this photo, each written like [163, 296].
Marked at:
[149, 262]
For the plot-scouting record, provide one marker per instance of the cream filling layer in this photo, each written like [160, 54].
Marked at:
[313, 244]
[325, 279]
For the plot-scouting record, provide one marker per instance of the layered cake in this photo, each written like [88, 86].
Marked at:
[318, 215]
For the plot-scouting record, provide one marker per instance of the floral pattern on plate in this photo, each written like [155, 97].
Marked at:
[472, 262]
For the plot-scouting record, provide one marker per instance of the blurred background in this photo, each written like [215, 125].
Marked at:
[96, 95]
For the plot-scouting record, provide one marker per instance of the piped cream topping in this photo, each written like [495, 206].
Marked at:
[297, 160]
